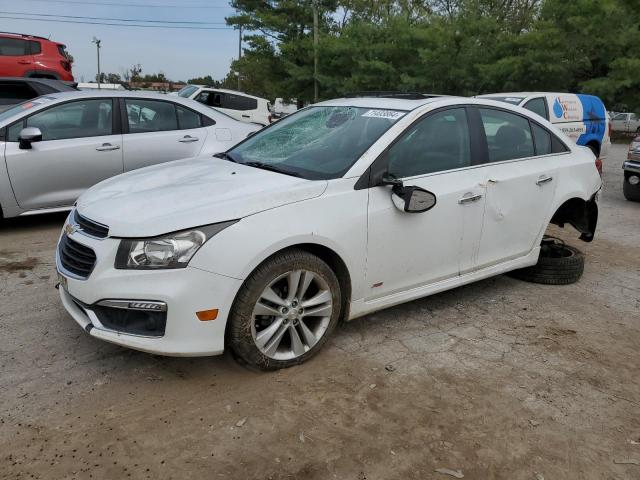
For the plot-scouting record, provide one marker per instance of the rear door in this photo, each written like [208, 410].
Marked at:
[81, 146]
[159, 131]
[15, 57]
[520, 179]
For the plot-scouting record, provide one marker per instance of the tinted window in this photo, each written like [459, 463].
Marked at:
[13, 47]
[238, 102]
[537, 105]
[620, 116]
[508, 135]
[11, 93]
[88, 118]
[35, 47]
[542, 139]
[151, 116]
[188, 118]
[436, 143]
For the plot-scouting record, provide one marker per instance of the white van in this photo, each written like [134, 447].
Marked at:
[583, 118]
[238, 105]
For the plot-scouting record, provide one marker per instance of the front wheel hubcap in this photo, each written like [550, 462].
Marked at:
[291, 315]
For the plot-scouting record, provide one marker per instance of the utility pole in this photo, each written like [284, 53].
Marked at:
[239, 53]
[97, 42]
[315, 51]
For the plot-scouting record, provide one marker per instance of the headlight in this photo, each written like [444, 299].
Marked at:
[173, 250]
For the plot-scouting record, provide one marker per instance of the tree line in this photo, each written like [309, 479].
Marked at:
[457, 47]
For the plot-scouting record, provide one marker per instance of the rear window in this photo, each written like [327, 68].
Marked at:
[62, 51]
[13, 47]
[187, 91]
[238, 102]
[12, 93]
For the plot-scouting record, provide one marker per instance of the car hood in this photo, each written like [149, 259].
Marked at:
[189, 193]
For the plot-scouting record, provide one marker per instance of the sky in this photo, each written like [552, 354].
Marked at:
[179, 53]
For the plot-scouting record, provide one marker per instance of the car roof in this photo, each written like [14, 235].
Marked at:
[58, 97]
[385, 103]
[226, 90]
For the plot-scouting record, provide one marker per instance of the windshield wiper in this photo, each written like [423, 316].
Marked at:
[225, 156]
[271, 168]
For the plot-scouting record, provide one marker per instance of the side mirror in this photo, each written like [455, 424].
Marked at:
[412, 199]
[28, 136]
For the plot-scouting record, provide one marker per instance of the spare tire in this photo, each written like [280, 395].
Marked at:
[558, 264]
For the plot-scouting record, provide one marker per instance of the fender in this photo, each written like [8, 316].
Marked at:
[580, 214]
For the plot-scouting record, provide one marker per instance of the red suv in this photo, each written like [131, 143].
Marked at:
[31, 56]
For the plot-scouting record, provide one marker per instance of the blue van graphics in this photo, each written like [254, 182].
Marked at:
[585, 112]
[595, 120]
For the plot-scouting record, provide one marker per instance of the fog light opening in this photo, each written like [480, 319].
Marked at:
[207, 315]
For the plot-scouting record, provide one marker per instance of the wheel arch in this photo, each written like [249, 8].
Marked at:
[580, 214]
[596, 145]
[330, 257]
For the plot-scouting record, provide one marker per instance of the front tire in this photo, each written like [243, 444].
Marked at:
[558, 264]
[631, 192]
[285, 311]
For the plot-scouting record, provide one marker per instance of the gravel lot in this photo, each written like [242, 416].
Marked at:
[499, 379]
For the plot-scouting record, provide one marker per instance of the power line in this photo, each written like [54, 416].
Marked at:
[114, 19]
[115, 4]
[116, 24]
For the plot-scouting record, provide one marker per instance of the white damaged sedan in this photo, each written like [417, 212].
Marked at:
[343, 208]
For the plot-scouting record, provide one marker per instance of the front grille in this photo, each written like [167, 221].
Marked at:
[75, 257]
[90, 227]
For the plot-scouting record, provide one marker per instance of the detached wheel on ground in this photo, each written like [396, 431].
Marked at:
[285, 311]
[631, 192]
[558, 264]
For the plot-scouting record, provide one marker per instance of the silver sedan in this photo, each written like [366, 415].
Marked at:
[58, 145]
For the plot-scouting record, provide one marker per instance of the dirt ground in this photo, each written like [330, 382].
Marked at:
[500, 379]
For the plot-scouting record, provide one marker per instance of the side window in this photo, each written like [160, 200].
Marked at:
[438, 142]
[151, 116]
[203, 97]
[13, 132]
[239, 102]
[508, 135]
[188, 118]
[13, 47]
[35, 47]
[87, 118]
[542, 139]
[620, 116]
[537, 105]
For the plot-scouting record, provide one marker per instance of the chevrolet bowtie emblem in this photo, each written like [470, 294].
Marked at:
[70, 229]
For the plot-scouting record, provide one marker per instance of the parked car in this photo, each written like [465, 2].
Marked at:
[15, 90]
[625, 123]
[238, 105]
[631, 182]
[30, 56]
[338, 210]
[58, 145]
[582, 117]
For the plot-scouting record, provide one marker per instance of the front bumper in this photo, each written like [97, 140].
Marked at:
[632, 165]
[184, 291]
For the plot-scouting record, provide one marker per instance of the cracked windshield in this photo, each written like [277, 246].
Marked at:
[316, 143]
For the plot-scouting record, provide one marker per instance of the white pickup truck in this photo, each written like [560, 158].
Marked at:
[625, 123]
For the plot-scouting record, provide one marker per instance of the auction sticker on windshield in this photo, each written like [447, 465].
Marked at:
[388, 114]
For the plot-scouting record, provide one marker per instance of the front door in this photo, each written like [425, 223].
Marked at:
[520, 185]
[78, 150]
[407, 250]
[160, 131]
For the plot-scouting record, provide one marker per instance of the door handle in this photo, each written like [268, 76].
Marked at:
[543, 179]
[107, 147]
[188, 139]
[469, 198]
[246, 116]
